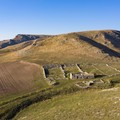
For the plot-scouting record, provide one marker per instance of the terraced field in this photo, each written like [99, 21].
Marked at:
[103, 69]
[71, 69]
[106, 69]
[18, 77]
[55, 73]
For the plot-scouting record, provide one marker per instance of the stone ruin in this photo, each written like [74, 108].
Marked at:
[81, 75]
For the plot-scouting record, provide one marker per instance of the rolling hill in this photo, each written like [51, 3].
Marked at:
[19, 39]
[75, 47]
[24, 83]
[79, 47]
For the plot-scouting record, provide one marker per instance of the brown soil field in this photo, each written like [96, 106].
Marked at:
[20, 76]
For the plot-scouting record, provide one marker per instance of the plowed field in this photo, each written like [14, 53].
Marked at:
[18, 76]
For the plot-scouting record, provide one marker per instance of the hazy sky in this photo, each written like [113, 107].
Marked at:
[57, 16]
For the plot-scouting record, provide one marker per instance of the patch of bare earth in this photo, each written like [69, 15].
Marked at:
[17, 76]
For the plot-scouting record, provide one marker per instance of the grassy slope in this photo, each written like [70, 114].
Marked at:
[66, 107]
[64, 86]
[83, 105]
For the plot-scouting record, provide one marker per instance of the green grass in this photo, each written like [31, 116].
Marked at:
[13, 104]
[83, 105]
[90, 69]
[60, 93]
[64, 88]
[100, 68]
[71, 69]
[107, 70]
[55, 73]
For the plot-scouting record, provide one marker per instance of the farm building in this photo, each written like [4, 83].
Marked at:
[81, 75]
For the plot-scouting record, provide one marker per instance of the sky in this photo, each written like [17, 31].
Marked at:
[57, 16]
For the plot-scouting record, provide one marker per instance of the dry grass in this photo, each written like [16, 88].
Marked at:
[71, 46]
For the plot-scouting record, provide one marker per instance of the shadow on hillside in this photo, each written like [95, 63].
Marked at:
[99, 76]
[114, 40]
[100, 46]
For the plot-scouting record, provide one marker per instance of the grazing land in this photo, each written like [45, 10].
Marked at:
[82, 105]
[35, 78]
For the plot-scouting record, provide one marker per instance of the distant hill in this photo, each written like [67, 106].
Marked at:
[19, 39]
[72, 47]
[78, 46]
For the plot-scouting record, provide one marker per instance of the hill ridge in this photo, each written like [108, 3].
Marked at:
[77, 46]
[19, 39]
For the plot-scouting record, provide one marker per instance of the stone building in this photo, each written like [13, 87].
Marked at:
[81, 75]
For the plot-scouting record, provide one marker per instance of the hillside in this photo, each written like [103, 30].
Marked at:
[75, 47]
[82, 105]
[19, 39]
[36, 82]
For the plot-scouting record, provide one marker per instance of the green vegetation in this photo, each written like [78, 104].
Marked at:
[55, 73]
[82, 105]
[11, 105]
[11, 108]
[71, 69]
